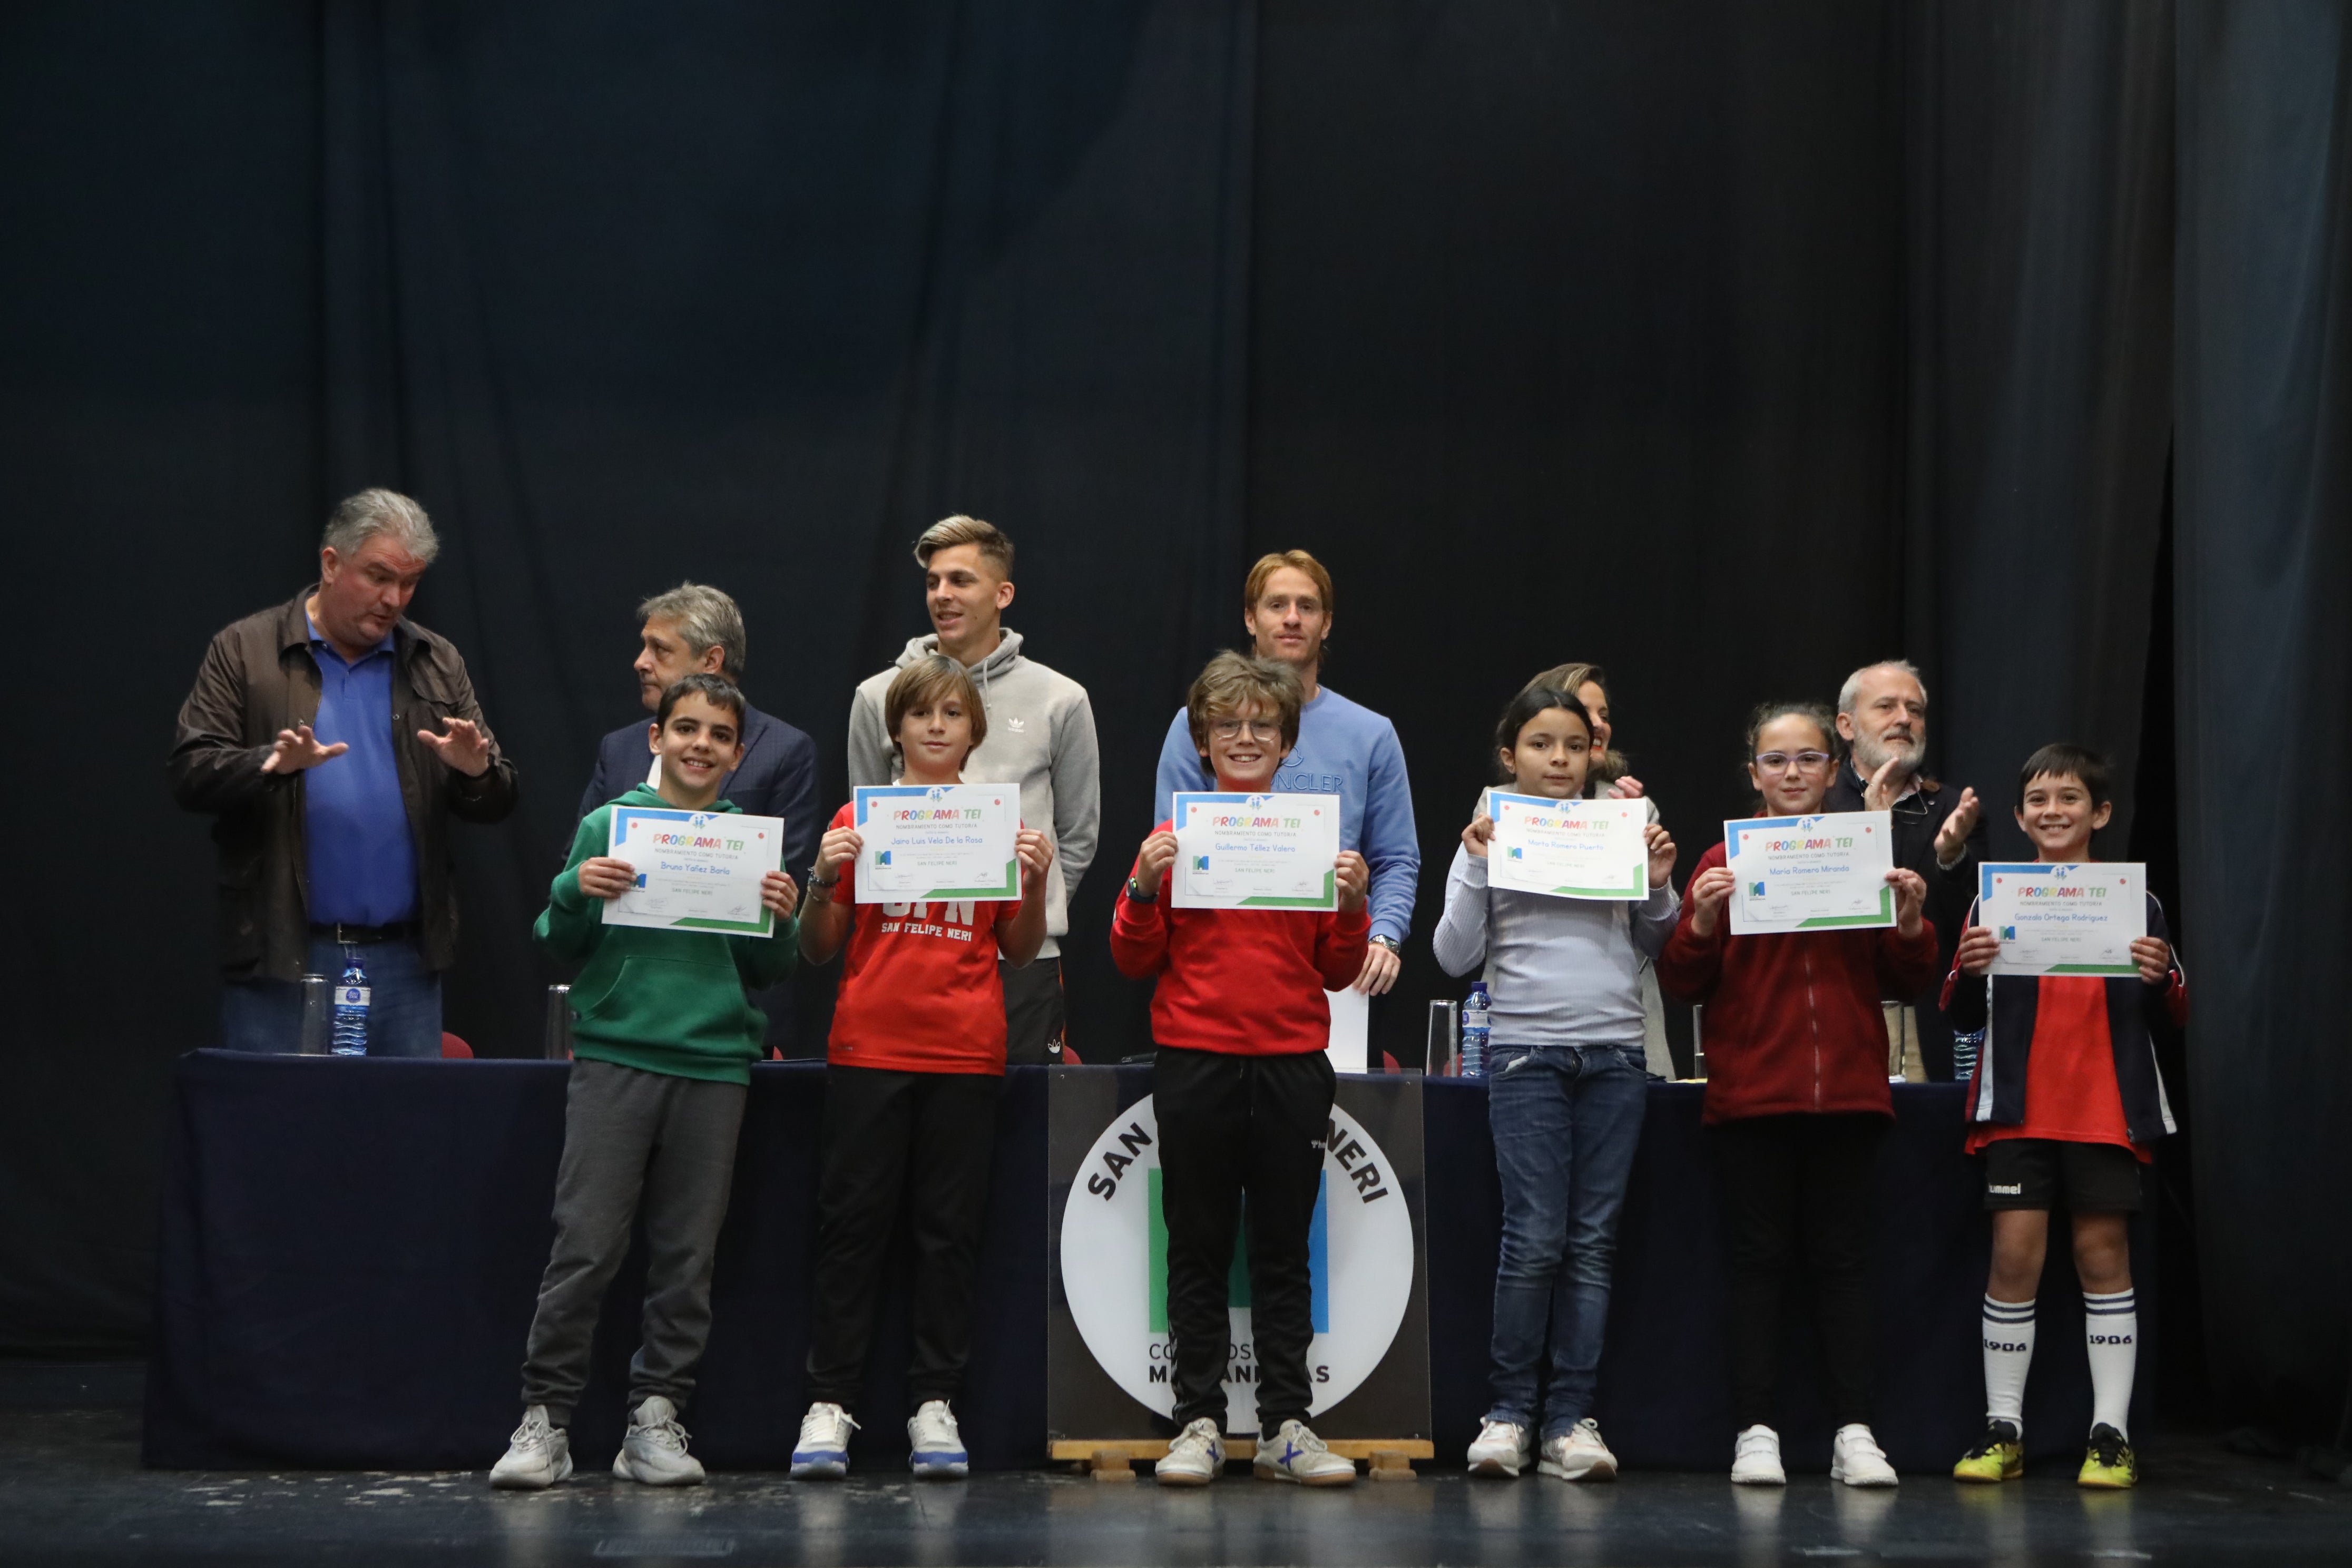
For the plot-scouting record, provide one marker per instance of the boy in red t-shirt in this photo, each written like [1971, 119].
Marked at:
[914, 1067]
[1241, 1090]
[2065, 1101]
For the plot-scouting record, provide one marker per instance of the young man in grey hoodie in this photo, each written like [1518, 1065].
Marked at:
[1040, 736]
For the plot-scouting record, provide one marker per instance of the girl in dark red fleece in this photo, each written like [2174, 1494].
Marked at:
[1797, 1099]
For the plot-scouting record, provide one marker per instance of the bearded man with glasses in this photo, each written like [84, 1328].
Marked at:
[1939, 831]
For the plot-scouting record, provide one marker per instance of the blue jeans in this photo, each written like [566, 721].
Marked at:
[1566, 1120]
[404, 1002]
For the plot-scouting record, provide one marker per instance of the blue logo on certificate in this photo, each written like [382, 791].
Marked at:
[1755, 889]
[1516, 852]
[881, 856]
[1200, 862]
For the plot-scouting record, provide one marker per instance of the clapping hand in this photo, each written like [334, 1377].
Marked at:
[1952, 838]
[464, 748]
[298, 749]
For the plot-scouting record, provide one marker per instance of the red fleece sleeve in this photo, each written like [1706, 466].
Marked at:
[1906, 963]
[1341, 939]
[1139, 934]
[1689, 965]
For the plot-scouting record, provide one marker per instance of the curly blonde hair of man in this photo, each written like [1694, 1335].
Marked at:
[1233, 681]
[929, 681]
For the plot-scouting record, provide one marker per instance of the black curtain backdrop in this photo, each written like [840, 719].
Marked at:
[1733, 346]
[2262, 319]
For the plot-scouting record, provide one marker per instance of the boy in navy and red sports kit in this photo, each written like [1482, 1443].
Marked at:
[1242, 1090]
[2065, 1106]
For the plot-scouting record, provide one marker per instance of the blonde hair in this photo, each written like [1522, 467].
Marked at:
[1232, 682]
[962, 529]
[1298, 561]
[926, 683]
[1608, 765]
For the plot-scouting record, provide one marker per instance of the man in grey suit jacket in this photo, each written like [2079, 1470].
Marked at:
[693, 628]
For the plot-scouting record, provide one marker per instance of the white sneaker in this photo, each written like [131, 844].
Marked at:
[1503, 1449]
[938, 1446]
[1296, 1454]
[1757, 1461]
[823, 1452]
[1578, 1455]
[1195, 1458]
[654, 1453]
[538, 1455]
[1856, 1460]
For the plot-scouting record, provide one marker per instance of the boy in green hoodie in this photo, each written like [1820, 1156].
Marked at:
[662, 1041]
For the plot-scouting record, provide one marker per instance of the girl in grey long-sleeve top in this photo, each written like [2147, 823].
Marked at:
[1565, 1090]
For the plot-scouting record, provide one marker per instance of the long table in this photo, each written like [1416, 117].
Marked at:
[351, 1249]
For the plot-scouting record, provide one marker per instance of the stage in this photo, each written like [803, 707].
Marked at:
[72, 1493]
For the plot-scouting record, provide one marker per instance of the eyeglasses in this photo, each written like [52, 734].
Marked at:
[1257, 730]
[1782, 762]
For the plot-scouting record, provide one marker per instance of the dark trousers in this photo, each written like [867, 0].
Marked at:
[1791, 1184]
[925, 1137]
[633, 1140]
[1229, 1126]
[1034, 1016]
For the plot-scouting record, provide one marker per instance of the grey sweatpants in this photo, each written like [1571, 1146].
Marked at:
[630, 1135]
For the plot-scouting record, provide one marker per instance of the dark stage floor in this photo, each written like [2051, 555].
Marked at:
[72, 1491]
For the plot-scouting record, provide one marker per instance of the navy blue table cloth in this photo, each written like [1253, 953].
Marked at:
[351, 1249]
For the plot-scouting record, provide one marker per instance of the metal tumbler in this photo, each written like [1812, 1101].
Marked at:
[317, 1027]
[556, 1043]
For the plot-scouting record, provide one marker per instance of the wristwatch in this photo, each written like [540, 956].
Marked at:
[1135, 895]
[1387, 942]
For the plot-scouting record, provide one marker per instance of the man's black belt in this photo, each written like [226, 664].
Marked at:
[360, 936]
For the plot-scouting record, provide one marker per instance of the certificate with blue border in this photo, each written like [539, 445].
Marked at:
[1272, 851]
[924, 843]
[1568, 849]
[2078, 919]
[1826, 872]
[696, 870]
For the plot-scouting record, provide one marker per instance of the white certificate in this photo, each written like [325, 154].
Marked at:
[1568, 849]
[1256, 851]
[929, 842]
[2064, 919]
[696, 870]
[1810, 873]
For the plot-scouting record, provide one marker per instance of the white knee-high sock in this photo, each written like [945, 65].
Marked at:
[2008, 1356]
[2111, 1333]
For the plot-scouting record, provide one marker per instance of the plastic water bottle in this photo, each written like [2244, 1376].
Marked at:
[1473, 1032]
[1965, 1047]
[351, 1009]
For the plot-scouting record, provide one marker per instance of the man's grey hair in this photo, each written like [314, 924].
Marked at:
[1851, 692]
[359, 518]
[706, 619]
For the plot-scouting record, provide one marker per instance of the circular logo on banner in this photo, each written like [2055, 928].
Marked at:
[1115, 1268]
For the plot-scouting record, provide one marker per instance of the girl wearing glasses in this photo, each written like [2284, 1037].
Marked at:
[1797, 1103]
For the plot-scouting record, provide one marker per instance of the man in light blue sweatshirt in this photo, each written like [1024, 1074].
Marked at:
[1344, 749]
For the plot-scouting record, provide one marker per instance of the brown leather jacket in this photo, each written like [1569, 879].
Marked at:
[257, 678]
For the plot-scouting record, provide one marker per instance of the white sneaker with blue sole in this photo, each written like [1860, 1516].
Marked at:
[937, 1447]
[823, 1452]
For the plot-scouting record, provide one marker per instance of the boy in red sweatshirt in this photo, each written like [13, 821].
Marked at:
[1241, 1090]
[2067, 1105]
[1796, 1103]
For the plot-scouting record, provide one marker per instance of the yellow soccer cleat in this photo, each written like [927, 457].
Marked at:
[2110, 1464]
[1999, 1456]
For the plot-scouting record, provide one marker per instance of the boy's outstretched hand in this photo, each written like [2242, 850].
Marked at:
[780, 894]
[1662, 854]
[602, 877]
[1036, 853]
[2154, 956]
[1355, 880]
[1978, 947]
